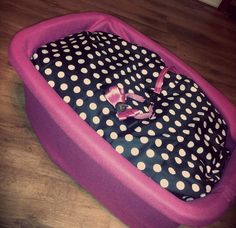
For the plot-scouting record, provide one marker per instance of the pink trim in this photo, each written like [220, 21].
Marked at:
[160, 79]
[127, 192]
[146, 115]
[129, 112]
[114, 96]
[135, 97]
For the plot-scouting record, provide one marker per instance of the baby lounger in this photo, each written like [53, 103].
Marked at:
[174, 133]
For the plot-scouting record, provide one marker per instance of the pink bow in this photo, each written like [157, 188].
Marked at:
[117, 97]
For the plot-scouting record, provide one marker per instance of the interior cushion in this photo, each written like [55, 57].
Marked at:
[182, 147]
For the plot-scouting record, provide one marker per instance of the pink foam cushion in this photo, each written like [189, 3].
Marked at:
[128, 193]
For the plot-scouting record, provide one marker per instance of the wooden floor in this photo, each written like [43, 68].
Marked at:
[33, 191]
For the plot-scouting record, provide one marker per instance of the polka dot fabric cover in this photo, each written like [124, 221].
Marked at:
[182, 147]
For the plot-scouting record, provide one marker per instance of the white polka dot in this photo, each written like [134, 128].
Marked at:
[76, 46]
[71, 67]
[193, 105]
[208, 188]
[100, 63]
[188, 111]
[120, 149]
[35, 55]
[182, 152]
[90, 56]
[177, 123]
[182, 87]
[170, 147]
[164, 183]
[108, 80]
[171, 129]
[113, 135]
[105, 111]
[180, 185]
[104, 71]
[89, 93]
[58, 63]
[109, 122]
[64, 86]
[68, 57]
[92, 66]
[74, 77]
[144, 51]
[185, 174]
[150, 153]
[197, 137]
[187, 132]
[51, 83]
[84, 70]
[207, 137]
[171, 85]
[178, 160]
[190, 164]
[79, 102]
[151, 65]
[92, 106]
[134, 151]
[159, 125]
[76, 89]
[166, 118]
[83, 115]
[78, 53]
[100, 132]
[190, 144]
[180, 138]
[183, 117]
[129, 137]
[178, 77]
[193, 89]
[155, 74]
[158, 142]
[60, 74]
[124, 43]
[141, 165]
[102, 98]
[172, 112]
[151, 132]
[157, 168]
[171, 171]
[123, 127]
[48, 71]
[195, 187]
[96, 75]
[209, 156]
[66, 99]
[120, 85]
[87, 81]
[177, 106]
[46, 60]
[165, 156]
[44, 51]
[127, 82]
[144, 72]
[144, 139]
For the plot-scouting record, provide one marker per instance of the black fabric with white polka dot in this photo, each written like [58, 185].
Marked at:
[182, 147]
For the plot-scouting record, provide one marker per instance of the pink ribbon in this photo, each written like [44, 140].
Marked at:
[159, 82]
[117, 97]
